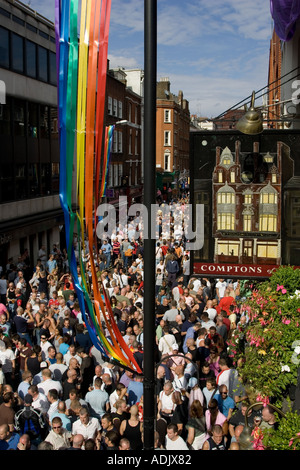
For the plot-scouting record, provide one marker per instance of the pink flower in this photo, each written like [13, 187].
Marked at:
[283, 290]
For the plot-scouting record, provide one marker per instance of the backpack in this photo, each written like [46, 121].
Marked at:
[128, 252]
[29, 422]
[30, 428]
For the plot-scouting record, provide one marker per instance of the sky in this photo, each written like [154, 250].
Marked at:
[216, 52]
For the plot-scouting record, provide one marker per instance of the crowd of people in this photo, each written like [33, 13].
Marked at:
[57, 391]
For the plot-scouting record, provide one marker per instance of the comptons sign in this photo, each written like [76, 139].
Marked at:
[237, 270]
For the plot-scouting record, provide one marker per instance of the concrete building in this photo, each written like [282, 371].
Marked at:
[30, 211]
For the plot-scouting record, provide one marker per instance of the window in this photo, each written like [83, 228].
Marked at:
[44, 35]
[19, 118]
[167, 140]
[129, 112]
[268, 223]
[167, 162]
[226, 161]
[44, 121]
[226, 197]
[228, 248]
[130, 142]
[120, 110]
[267, 250]
[109, 105]
[220, 177]
[5, 117]
[167, 115]
[54, 123]
[17, 55]
[115, 142]
[232, 176]
[52, 68]
[31, 28]
[136, 143]
[18, 20]
[4, 48]
[247, 223]
[30, 59]
[110, 175]
[268, 198]
[32, 120]
[268, 158]
[274, 178]
[42, 64]
[120, 173]
[115, 107]
[120, 142]
[226, 221]
[116, 174]
[248, 198]
[247, 248]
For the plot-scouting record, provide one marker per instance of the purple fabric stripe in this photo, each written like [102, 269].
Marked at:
[285, 14]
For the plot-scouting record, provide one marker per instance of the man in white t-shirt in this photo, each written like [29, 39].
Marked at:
[166, 342]
[211, 311]
[48, 383]
[220, 288]
[165, 405]
[224, 374]
[173, 440]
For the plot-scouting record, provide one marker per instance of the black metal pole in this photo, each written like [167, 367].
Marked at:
[150, 71]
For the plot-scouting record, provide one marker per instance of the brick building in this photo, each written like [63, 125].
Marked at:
[124, 110]
[172, 131]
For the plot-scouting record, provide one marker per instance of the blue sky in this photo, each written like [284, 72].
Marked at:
[215, 51]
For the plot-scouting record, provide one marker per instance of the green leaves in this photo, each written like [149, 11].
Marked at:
[272, 352]
[287, 436]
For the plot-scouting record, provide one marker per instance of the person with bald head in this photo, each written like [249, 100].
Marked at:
[25, 443]
[77, 442]
[108, 384]
[97, 400]
[8, 439]
[61, 412]
[132, 429]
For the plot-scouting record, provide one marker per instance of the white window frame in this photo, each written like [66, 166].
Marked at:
[167, 138]
[167, 167]
[167, 115]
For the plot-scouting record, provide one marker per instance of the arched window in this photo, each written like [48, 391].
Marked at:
[268, 209]
[226, 201]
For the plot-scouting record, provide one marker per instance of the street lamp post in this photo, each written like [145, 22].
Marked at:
[150, 66]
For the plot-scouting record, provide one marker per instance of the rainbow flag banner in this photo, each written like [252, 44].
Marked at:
[82, 31]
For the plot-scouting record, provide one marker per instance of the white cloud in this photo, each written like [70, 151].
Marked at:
[122, 61]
